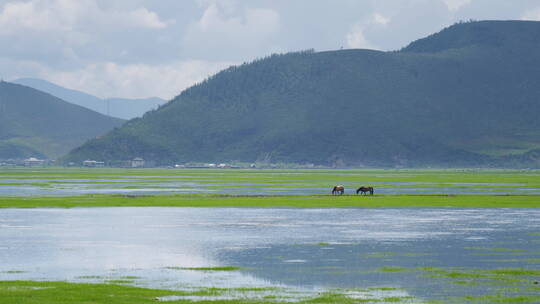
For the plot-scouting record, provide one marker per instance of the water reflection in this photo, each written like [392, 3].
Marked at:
[308, 249]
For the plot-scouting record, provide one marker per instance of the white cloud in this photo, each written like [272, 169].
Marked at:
[454, 5]
[356, 38]
[239, 32]
[254, 21]
[25, 16]
[70, 15]
[380, 19]
[146, 18]
[108, 79]
[132, 42]
[533, 14]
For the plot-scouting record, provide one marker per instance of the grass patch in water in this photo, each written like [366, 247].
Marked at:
[393, 269]
[119, 281]
[13, 271]
[382, 255]
[219, 268]
[503, 285]
[496, 249]
[90, 277]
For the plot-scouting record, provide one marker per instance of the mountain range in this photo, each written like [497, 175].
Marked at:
[116, 107]
[468, 95]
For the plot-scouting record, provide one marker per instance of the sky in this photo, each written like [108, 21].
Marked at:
[144, 48]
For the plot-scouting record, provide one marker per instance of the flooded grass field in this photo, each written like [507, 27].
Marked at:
[474, 247]
[71, 182]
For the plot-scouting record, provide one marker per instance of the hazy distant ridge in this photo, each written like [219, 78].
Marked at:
[124, 108]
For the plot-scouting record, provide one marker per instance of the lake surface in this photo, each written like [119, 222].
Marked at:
[301, 251]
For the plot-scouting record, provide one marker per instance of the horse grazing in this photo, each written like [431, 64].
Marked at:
[338, 189]
[365, 190]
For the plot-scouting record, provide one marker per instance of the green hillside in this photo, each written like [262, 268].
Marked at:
[467, 96]
[33, 123]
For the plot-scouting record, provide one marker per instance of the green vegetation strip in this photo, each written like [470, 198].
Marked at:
[34, 292]
[432, 178]
[293, 201]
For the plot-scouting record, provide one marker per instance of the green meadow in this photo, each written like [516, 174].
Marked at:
[291, 201]
[214, 188]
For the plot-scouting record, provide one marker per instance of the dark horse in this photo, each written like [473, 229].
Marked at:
[338, 189]
[365, 190]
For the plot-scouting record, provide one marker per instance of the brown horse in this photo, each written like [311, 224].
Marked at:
[365, 190]
[338, 189]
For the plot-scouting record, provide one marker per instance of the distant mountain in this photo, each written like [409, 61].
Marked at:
[34, 123]
[466, 96]
[117, 107]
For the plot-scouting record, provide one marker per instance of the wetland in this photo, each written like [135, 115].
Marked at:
[257, 236]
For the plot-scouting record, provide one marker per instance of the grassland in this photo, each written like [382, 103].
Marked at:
[18, 292]
[492, 188]
[285, 201]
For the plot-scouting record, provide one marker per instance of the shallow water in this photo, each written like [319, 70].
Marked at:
[307, 250]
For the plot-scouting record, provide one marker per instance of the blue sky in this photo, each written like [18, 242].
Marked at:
[143, 48]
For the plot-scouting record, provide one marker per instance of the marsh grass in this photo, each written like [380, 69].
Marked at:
[13, 271]
[508, 181]
[34, 292]
[383, 255]
[435, 178]
[269, 201]
[219, 268]
[502, 285]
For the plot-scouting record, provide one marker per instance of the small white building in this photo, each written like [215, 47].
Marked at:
[93, 163]
[33, 162]
[137, 162]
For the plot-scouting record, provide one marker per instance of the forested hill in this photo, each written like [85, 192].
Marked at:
[467, 96]
[36, 124]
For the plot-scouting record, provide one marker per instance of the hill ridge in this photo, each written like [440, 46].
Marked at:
[467, 106]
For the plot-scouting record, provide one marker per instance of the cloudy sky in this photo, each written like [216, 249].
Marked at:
[143, 48]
